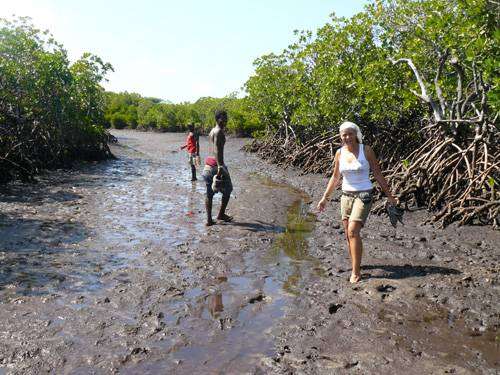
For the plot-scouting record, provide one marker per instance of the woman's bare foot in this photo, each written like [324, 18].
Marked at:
[210, 223]
[355, 278]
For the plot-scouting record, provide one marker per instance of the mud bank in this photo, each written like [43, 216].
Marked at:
[429, 301]
[109, 269]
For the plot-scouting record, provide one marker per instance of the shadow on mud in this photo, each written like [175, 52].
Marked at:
[107, 172]
[24, 234]
[402, 272]
[33, 253]
[10, 195]
[259, 226]
[40, 256]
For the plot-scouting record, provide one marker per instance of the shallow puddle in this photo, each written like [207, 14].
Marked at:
[141, 218]
[231, 323]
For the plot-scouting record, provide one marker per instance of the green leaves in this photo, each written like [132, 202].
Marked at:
[51, 112]
[342, 71]
[131, 110]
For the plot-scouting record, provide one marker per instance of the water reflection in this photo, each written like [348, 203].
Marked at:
[192, 200]
[215, 305]
[293, 244]
[299, 226]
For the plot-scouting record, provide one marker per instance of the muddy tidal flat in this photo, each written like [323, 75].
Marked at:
[109, 268]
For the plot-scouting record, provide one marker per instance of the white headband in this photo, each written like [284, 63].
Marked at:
[352, 125]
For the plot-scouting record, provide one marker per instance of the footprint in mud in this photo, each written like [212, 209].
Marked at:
[257, 298]
[385, 288]
[334, 307]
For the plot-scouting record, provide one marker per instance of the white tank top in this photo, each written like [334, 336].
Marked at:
[356, 172]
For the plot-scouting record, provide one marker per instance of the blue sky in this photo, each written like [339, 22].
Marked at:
[178, 50]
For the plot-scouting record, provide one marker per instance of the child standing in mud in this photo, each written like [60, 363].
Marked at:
[215, 172]
[193, 149]
[353, 162]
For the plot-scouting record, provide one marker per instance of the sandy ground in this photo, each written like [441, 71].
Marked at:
[109, 268]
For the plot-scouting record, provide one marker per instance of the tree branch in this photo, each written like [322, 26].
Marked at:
[439, 92]
[423, 95]
[460, 74]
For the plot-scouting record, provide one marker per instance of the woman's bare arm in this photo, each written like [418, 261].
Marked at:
[332, 183]
[377, 173]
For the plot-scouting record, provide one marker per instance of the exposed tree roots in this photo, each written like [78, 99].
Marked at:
[457, 181]
[27, 148]
[314, 156]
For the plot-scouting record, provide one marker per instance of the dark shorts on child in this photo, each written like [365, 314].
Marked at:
[208, 175]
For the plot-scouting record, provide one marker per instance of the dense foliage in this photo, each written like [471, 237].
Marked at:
[419, 77]
[129, 110]
[51, 111]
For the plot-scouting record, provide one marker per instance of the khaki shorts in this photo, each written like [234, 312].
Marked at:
[354, 209]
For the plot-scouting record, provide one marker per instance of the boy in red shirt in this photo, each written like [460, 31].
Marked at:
[193, 149]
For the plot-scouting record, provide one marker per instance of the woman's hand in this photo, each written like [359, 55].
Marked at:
[321, 204]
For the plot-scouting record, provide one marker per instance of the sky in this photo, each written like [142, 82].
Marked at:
[178, 50]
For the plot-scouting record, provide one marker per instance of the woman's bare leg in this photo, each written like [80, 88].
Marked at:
[355, 249]
[345, 223]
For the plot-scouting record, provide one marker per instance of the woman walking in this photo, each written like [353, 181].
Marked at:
[353, 162]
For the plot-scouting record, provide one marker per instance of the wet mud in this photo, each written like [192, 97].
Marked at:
[108, 268]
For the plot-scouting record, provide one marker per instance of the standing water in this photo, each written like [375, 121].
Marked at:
[113, 260]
